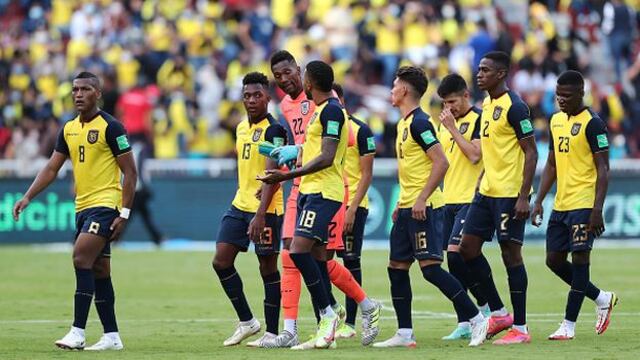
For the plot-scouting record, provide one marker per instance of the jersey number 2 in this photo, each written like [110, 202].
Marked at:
[485, 129]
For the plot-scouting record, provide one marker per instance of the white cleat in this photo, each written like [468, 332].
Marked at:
[397, 341]
[243, 331]
[563, 333]
[284, 340]
[110, 341]
[266, 338]
[479, 331]
[74, 340]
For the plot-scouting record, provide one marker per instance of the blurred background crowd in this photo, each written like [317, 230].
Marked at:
[172, 69]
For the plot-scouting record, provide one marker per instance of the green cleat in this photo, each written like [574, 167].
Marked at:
[459, 333]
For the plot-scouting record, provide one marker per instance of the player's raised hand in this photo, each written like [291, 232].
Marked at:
[349, 219]
[19, 207]
[285, 154]
[596, 223]
[256, 228]
[272, 176]
[447, 119]
[117, 226]
[522, 208]
[537, 214]
[419, 210]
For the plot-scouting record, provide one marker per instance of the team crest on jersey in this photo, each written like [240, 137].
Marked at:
[92, 136]
[497, 112]
[464, 127]
[575, 129]
[405, 134]
[304, 107]
[256, 134]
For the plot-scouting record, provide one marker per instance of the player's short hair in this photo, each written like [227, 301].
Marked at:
[320, 74]
[338, 89]
[571, 77]
[451, 84]
[256, 78]
[415, 77]
[95, 80]
[500, 58]
[280, 56]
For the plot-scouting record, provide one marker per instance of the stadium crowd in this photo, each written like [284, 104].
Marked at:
[172, 70]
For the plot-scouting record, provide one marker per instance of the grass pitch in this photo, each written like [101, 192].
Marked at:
[171, 306]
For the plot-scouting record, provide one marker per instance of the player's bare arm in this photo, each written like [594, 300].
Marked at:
[366, 170]
[256, 226]
[128, 167]
[470, 149]
[596, 222]
[546, 182]
[323, 161]
[42, 180]
[522, 207]
[438, 171]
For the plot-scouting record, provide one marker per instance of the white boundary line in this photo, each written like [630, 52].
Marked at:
[536, 317]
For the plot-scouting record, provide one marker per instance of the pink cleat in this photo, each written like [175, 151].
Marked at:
[513, 336]
[498, 324]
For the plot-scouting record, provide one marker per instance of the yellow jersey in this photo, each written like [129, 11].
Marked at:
[251, 163]
[93, 147]
[363, 144]
[574, 140]
[415, 136]
[328, 120]
[462, 177]
[505, 121]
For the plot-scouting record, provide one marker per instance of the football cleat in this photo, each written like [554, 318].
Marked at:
[563, 333]
[370, 324]
[326, 331]
[498, 324]
[284, 340]
[513, 336]
[107, 342]
[74, 340]
[459, 333]
[243, 331]
[603, 314]
[263, 340]
[479, 331]
[397, 341]
[345, 332]
[311, 344]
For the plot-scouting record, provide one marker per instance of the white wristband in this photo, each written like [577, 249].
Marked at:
[124, 213]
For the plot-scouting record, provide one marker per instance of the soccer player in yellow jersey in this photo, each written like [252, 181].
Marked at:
[250, 219]
[579, 161]
[358, 169]
[417, 219]
[459, 134]
[99, 151]
[321, 191]
[502, 204]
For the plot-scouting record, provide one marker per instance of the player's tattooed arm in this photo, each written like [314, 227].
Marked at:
[42, 180]
[546, 182]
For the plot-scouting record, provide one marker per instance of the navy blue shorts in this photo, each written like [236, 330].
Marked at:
[454, 217]
[353, 242]
[314, 215]
[489, 215]
[415, 239]
[234, 227]
[97, 221]
[567, 231]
